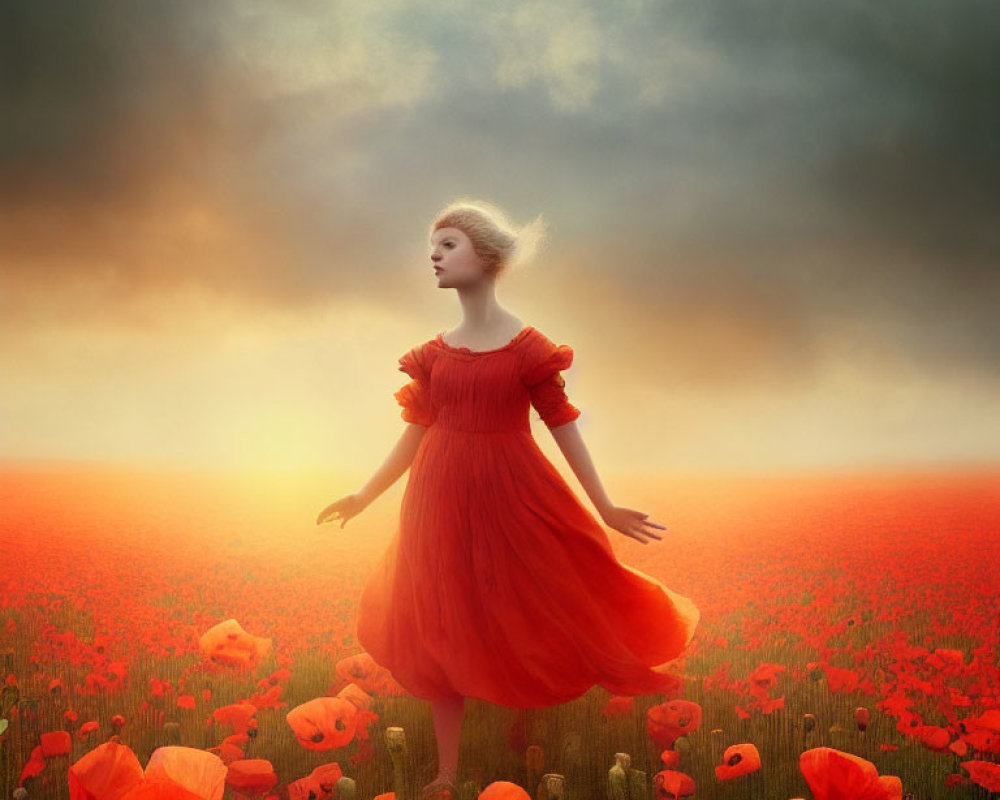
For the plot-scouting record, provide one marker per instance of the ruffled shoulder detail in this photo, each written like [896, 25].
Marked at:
[415, 397]
[417, 361]
[542, 375]
[544, 359]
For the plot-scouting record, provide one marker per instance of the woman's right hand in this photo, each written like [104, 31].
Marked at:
[343, 509]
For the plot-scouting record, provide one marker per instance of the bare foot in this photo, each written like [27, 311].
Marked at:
[442, 787]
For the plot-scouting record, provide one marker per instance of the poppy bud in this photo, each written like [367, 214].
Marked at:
[862, 717]
[808, 723]
[172, 733]
[345, 789]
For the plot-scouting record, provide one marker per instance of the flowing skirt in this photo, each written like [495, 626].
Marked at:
[499, 584]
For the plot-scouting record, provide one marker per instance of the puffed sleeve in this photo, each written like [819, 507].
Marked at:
[546, 385]
[414, 397]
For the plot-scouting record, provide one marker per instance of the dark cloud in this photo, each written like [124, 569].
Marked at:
[93, 91]
[776, 162]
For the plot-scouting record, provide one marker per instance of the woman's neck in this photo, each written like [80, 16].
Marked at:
[481, 313]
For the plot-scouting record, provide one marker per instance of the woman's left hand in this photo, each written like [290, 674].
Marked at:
[632, 523]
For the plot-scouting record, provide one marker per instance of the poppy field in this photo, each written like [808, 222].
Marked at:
[190, 635]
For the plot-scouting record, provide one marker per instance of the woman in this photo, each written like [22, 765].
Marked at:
[499, 584]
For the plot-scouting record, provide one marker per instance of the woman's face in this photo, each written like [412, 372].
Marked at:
[455, 262]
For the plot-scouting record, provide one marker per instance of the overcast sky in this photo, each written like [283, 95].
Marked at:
[773, 226]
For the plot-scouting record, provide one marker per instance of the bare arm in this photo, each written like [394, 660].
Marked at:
[625, 520]
[395, 464]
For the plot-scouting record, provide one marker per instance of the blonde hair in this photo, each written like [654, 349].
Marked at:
[497, 242]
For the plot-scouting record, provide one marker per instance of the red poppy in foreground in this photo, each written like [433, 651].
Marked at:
[669, 784]
[985, 773]
[503, 790]
[835, 775]
[251, 775]
[198, 771]
[105, 773]
[162, 790]
[739, 759]
[324, 722]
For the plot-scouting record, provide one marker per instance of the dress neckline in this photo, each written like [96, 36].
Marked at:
[520, 335]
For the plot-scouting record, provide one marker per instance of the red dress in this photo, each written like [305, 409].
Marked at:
[499, 584]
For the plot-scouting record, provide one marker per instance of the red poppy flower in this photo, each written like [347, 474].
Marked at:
[198, 771]
[321, 782]
[739, 759]
[618, 706]
[764, 677]
[238, 715]
[959, 747]
[668, 721]
[228, 752]
[983, 732]
[323, 723]
[160, 790]
[835, 775]
[86, 729]
[56, 743]
[33, 766]
[671, 785]
[503, 790]
[984, 773]
[228, 644]
[251, 775]
[106, 772]
[841, 680]
[361, 669]
[281, 675]
[355, 695]
[932, 737]
[767, 705]
[270, 698]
